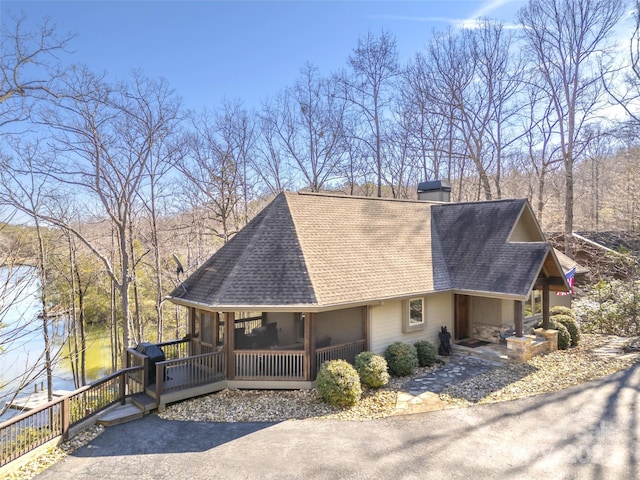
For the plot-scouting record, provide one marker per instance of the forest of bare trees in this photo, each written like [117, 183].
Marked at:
[114, 176]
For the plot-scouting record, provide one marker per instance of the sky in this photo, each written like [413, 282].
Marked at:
[241, 50]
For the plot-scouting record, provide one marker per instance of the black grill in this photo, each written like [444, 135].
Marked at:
[155, 355]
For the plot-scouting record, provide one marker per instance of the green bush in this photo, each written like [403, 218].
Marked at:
[611, 307]
[560, 310]
[564, 337]
[571, 325]
[372, 369]
[427, 353]
[338, 383]
[402, 358]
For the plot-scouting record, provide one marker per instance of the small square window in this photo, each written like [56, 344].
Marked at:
[413, 315]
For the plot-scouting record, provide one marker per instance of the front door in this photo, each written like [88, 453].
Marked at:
[462, 317]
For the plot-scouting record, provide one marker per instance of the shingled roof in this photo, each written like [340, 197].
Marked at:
[317, 251]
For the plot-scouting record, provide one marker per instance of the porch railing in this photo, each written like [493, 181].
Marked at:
[29, 430]
[344, 351]
[248, 323]
[189, 372]
[269, 364]
[175, 348]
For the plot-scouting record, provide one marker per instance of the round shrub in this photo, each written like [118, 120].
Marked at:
[402, 358]
[571, 325]
[560, 310]
[427, 353]
[564, 337]
[338, 383]
[372, 369]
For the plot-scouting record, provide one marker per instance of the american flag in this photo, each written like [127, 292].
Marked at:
[570, 276]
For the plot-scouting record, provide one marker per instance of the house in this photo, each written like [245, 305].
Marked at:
[316, 276]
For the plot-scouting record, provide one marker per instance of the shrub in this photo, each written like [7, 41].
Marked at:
[611, 307]
[338, 383]
[560, 310]
[402, 358]
[571, 325]
[564, 337]
[427, 353]
[372, 369]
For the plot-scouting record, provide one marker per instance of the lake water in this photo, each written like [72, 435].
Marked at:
[23, 344]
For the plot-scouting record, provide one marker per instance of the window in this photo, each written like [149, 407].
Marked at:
[413, 315]
[206, 322]
[300, 326]
[533, 305]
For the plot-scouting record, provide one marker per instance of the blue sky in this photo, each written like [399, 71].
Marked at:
[246, 50]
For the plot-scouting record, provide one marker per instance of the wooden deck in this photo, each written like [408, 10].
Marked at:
[182, 378]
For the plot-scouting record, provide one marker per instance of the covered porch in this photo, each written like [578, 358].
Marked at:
[276, 350]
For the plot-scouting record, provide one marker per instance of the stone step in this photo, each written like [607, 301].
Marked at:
[120, 414]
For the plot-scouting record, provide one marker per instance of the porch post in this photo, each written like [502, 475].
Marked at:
[518, 318]
[545, 305]
[365, 326]
[191, 328]
[229, 342]
[309, 345]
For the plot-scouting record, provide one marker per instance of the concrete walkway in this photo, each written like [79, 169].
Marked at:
[590, 431]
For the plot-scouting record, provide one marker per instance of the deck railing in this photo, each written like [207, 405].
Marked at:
[174, 349]
[344, 351]
[248, 323]
[29, 430]
[189, 372]
[269, 365]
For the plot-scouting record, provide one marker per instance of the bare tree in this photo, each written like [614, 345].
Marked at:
[567, 44]
[212, 176]
[238, 130]
[374, 66]
[24, 188]
[105, 136]
[28, 66]
[427, 123]
[539, 127]
[473, 76]
[308, 121]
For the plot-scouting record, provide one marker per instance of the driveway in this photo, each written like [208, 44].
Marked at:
[590, 431]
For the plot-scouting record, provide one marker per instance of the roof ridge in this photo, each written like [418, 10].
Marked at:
[361, 197]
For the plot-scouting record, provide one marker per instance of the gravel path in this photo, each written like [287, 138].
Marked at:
[596, 357]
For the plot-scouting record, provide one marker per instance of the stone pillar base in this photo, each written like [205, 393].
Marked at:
[551, 336]
[519, 348]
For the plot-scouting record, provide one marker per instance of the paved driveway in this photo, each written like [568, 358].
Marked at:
[589, 432]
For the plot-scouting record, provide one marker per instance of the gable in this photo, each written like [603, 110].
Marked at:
[526, 228]
[474, 242]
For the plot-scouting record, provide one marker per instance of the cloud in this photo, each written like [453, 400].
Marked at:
[490, 6]
[452, 21]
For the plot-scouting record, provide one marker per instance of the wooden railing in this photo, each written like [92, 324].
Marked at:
[183, 373]
[248, 323]
[175, 348]
[137, 380]
[344, 351]
[29, 430]
[269, 365]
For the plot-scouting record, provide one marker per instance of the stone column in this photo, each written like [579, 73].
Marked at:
[519, 349]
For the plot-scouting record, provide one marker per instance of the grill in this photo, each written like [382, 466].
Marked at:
[155, 355]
